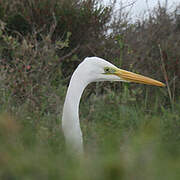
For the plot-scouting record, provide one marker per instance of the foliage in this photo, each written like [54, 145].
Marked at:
[39, 40]
[140, 44]
[86, 20]
[130, 131]
[28, 65]
[125, 142]
[60, 32]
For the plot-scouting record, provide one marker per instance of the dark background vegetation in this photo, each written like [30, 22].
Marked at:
[41, 43]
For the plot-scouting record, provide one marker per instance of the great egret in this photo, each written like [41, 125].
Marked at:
[92, 69]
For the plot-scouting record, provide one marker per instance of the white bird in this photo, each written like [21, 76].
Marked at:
[92, 69]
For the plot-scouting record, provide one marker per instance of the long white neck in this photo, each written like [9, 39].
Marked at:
[70, 118]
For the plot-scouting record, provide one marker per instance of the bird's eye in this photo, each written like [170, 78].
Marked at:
[107, 70]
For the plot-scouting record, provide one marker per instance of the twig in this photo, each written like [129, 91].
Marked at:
[53, 27]
[174, 86]
[92, 51]
[70, 53]
[166, 76]
[128, 5]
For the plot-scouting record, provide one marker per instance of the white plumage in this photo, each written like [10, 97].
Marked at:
[92, 69]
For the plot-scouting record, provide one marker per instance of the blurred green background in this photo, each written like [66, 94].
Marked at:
[130, 131]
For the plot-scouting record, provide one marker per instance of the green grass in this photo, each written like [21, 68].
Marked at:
[122, 141]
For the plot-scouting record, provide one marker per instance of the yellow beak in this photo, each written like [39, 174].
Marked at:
[133, 77]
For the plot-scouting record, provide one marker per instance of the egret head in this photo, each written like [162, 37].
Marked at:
[90, 70]
[98, 69]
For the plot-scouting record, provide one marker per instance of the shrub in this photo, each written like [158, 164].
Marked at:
[29, 65]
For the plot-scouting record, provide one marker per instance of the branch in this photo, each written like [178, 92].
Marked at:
[165, 75]
[128, 5]
[53, 27]
[70, 53]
